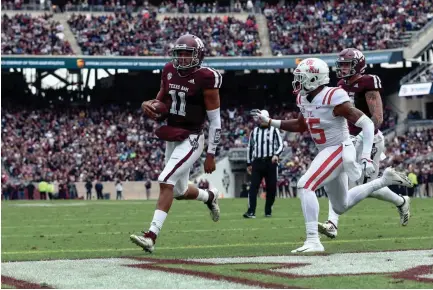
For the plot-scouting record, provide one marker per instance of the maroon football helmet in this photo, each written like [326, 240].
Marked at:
[188, 52]
[350, 62]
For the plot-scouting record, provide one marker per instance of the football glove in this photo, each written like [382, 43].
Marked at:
[368, 166]
[259, 117]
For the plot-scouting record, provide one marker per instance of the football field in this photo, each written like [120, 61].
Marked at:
[85, 244]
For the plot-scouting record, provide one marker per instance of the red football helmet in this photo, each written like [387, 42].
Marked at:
[350, 62]
[188, 52]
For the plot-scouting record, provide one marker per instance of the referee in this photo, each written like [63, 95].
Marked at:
[264, 147]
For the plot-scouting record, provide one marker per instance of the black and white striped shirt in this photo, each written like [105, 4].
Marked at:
[264, 142]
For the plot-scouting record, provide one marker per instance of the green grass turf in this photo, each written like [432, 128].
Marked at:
[102, 228]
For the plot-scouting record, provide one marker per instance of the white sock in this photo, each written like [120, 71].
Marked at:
[332, 216]
[387, 194]
[360, 192]
[310, 208]
[203, 195]
[158, 220]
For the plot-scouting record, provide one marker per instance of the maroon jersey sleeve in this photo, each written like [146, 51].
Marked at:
[371, 83]
[167, 74]
[340, 83]
[211, 79]
[166, 71]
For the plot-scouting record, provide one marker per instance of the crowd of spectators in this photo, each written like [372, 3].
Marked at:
[297, 27]
[12, 4]
[181, 6]
[414, 115]
[412, 153]
[408, 147]
[37, 35]
[142, 34]
[61, 144]
[78, 144]
[300, 27]
[117, 143]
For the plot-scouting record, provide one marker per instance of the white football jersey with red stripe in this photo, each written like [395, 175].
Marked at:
[325, 128]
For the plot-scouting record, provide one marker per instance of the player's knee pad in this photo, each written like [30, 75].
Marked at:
[340, 208]
[179, 192]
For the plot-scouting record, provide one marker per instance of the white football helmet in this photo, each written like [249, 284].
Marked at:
[309, 75]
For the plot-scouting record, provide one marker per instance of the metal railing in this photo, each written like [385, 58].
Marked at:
[421, 32]
[415, 73]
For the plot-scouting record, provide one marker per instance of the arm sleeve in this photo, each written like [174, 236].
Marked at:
[278, 141]
[214, 130]
[250, 149]
[368, 135]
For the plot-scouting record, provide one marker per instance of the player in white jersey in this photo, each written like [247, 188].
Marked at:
[325, 112]
[364, 91]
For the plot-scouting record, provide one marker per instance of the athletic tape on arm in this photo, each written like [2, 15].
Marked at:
[214, 130]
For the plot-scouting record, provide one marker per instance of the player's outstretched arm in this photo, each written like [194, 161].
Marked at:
[212, 104]
[374, 102]
[359, 119]
[293, 125]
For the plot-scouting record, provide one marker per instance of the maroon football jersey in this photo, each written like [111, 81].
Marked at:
[357, 91]
[184, 96]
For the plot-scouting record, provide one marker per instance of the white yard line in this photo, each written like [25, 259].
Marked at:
[210, 246]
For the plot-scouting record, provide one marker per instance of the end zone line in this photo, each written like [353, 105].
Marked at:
[170, 231]
[243, 220]
[210, 246]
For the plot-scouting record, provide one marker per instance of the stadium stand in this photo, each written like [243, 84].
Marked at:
[294, 28]
[113, 143]
[144, 35]
[329, 26]
[37, 35]
[117, 142]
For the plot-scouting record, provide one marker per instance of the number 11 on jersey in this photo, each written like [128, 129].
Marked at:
[173, 108]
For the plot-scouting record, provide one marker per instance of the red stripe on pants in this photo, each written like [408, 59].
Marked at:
[323, 166]
[179, 164]
[327, 174]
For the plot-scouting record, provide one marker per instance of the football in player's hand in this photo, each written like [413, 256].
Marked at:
[160, 108]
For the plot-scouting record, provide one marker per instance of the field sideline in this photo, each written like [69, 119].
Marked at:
[43, 230]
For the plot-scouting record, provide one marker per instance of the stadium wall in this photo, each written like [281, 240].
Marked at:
[131, 189]
[151, 63]
[222, 178]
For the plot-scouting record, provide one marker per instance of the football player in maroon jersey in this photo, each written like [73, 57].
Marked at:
[364, 91]
[191, 93]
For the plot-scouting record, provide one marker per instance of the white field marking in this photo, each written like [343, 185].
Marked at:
[106, 274]
[343, 263]
[165, 231]
[175, 216]
[83, 202]
[139, 215]
[209, 246]
[174, 221]
[49, 204]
